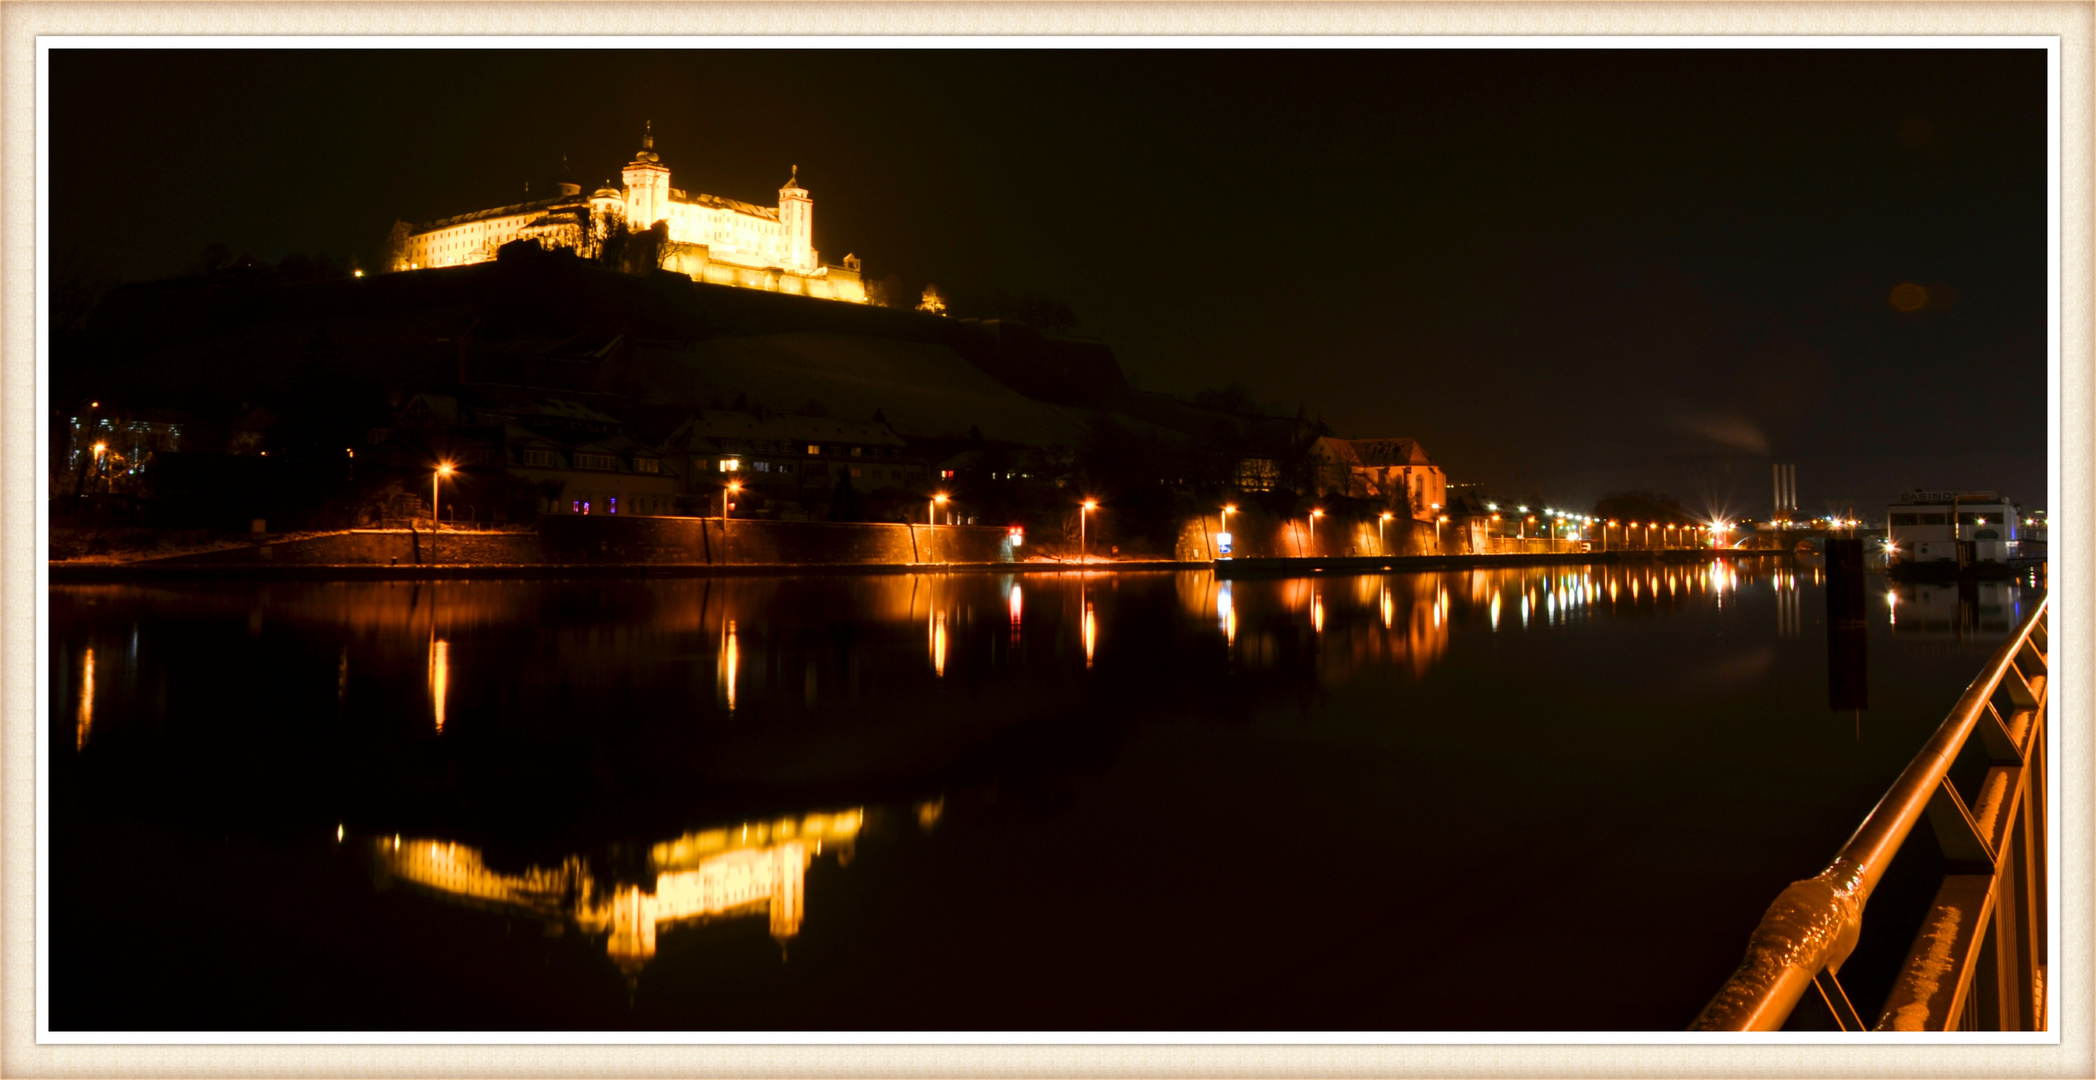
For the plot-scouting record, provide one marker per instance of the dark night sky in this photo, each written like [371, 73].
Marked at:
[1565, 271]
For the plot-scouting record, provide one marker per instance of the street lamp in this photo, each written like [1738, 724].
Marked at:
[444, 469]
[931, 521]
[1228, 509]
[1381, 544]
[734, 487]
[1604, 534]
[1314, 515]
[1437, 532]
[1089, 506]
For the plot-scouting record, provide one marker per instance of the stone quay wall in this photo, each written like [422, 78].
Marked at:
[710, 542]
[630, 540]
[374, 547]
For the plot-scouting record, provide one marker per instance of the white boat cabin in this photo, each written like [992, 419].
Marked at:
[1925, 526]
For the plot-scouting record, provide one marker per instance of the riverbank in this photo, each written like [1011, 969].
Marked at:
[1249, 568]
[157, 571]
[493, 558]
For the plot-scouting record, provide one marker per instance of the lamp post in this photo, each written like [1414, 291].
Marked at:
[1314, 515]
[1228, 509]
[1082, 511]
[1381, 543]
[734, 487]
[1437, 533]
[444, 469]
[931, 522]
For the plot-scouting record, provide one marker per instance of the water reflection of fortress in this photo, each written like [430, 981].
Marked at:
[749, 869]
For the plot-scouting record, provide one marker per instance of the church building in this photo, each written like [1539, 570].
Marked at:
[712, 239]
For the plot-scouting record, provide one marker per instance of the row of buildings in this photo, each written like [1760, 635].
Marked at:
[522, 452]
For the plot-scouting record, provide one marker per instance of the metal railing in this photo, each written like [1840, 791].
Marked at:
[1992, 893]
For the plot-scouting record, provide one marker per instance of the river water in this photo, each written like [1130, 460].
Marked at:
[1523, 799]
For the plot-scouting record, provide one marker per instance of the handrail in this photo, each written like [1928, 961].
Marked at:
[1813, 925]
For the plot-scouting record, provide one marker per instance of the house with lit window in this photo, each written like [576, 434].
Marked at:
[788, 464]
[1396, 472]
[530, 452]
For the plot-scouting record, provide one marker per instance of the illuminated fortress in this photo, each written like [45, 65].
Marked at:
[710, 239]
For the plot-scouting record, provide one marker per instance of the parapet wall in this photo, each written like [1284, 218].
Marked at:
[709, 541]
[377, 547]
[646, 541]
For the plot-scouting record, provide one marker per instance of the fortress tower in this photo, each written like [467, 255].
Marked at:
[647, 182]
[797, 217]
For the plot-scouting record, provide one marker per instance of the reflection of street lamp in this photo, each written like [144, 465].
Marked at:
[1089, 506]
[1314, 515]
[1380, 522]
[444, 469]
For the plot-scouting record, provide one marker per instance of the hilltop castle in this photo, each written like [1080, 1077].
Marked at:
[711, 239]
